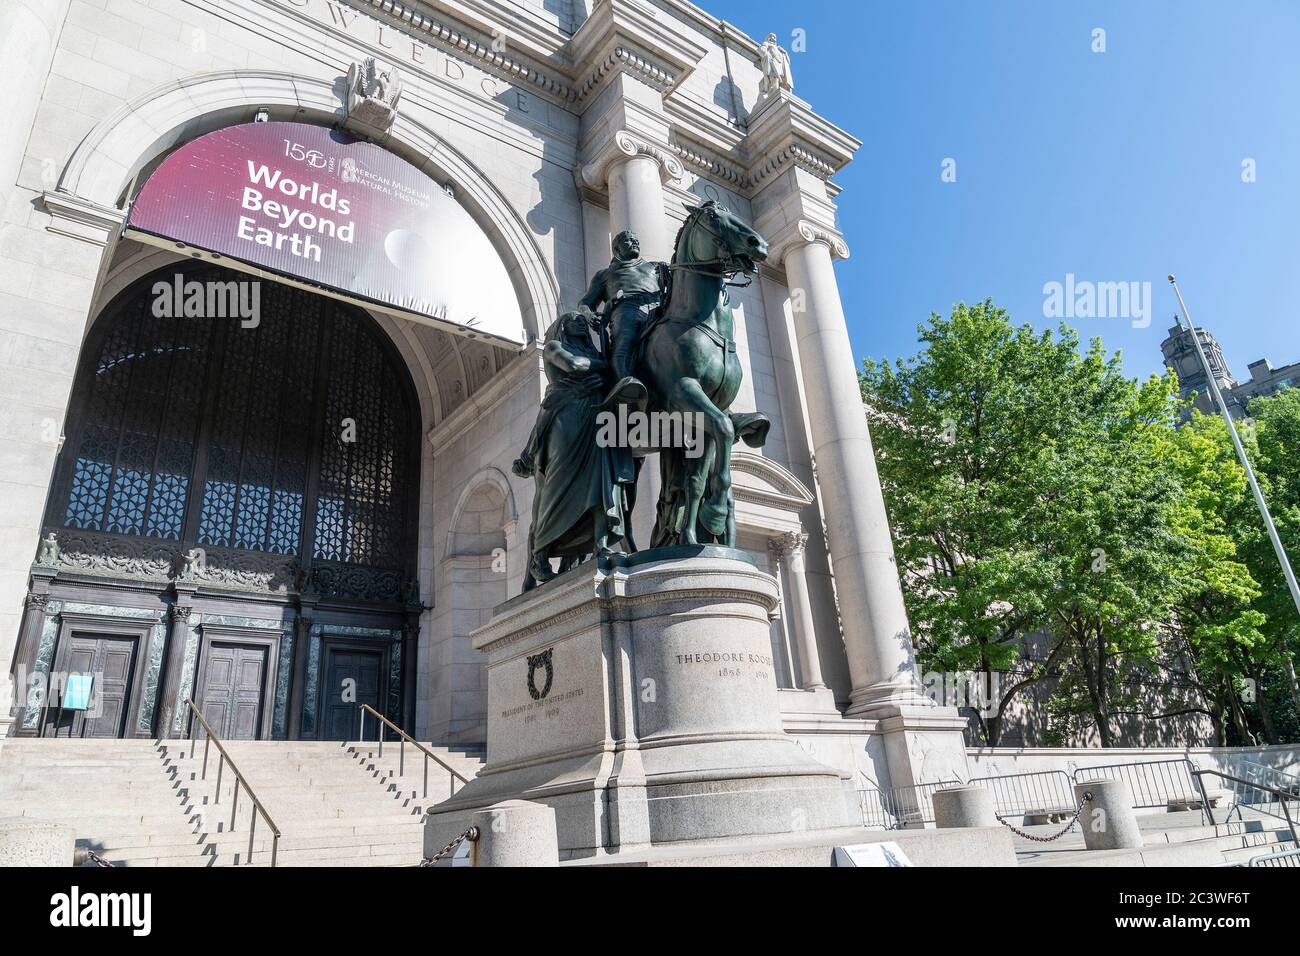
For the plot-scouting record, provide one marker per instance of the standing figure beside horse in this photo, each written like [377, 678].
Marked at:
[581, 505]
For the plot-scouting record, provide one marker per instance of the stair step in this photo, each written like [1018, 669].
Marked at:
[147, 803]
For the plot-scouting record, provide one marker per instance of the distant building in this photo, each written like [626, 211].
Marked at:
[1180, 355]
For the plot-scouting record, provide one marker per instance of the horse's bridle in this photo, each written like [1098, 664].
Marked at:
[726, 263]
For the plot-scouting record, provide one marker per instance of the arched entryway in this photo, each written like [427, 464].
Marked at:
[233, 517]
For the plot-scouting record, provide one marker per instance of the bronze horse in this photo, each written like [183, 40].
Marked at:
[689, 365]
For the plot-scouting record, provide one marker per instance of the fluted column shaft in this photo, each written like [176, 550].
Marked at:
[789, 549]
[877, 640]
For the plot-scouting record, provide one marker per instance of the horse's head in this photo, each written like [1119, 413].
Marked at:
[712, 235]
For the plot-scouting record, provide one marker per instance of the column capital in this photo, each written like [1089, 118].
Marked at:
[621, 147]
[802, 232]
[37, 600]
[789, 544]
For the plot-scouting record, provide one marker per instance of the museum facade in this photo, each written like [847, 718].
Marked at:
[258, 507]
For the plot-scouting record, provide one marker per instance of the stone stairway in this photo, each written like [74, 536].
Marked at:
[1169, 839]
[146, 803]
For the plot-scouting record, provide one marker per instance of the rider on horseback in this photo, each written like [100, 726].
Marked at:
[633, 288]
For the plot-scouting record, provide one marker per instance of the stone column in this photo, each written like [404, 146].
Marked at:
[298, 679]
[877, 640]
[410, 672]
[632, 170]
[29, 640]
[789, 551]
[636, 202]
[169, 694]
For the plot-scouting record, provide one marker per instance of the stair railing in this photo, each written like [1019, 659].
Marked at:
[1282, 795]
[404, 738]
[209, 739]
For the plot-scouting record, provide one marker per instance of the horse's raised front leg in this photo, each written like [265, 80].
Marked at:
[688, 398]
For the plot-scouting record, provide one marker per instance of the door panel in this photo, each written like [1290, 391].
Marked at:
[365, 668]
[234, 689]
[111, 659]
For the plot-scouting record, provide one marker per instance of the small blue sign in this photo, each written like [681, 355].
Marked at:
[76, 692]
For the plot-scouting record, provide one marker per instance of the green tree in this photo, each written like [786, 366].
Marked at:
[1274, 433]
[1218, 635]
[980, 405]
[1108, 538]
[1027, 494]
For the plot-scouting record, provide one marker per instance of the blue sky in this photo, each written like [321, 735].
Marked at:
[1117, 166]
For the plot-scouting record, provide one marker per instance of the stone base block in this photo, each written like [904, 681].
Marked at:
[515, 833]
[639, 703]
[962, 807]
[1108, 821]
[27, 842]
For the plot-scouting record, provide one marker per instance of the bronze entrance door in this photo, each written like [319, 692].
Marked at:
[111, 661]
[354, 675]
[234, 684]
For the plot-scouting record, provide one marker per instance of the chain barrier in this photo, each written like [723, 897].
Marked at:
[83, 855]
[1085, 799]
[471, 834]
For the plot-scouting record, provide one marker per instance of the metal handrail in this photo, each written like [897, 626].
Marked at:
[1281, 794]
[209, 739]
[403, 738]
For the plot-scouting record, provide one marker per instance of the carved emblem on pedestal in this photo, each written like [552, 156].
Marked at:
[535, 661]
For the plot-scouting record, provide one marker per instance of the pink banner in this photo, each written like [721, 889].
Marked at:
[335, 213]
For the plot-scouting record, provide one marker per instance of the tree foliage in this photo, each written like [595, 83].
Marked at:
[1035, 490]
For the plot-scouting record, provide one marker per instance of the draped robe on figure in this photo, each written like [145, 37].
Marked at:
[575, 476]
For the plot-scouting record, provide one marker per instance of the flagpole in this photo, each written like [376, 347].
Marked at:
[1241, 451]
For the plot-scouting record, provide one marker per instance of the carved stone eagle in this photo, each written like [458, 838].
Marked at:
[374, 88]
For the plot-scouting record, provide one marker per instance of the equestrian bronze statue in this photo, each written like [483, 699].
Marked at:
[668, 350]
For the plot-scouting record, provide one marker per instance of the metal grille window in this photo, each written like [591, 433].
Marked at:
[300, 426]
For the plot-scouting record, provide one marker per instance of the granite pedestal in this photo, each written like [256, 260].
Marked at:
[639, 702]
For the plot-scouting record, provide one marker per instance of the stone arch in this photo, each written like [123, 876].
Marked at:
[474, 581]
[105, 165]
[482, 515]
